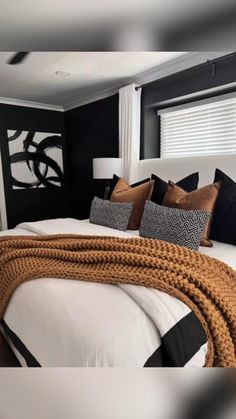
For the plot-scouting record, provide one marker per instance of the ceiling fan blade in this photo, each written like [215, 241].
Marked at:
[18, 57]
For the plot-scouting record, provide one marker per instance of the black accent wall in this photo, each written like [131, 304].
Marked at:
[91, 131]
[32, 204]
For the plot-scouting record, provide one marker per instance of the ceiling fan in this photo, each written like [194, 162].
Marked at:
[18, 57]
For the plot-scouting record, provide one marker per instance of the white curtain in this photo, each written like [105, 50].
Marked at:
[129, 130]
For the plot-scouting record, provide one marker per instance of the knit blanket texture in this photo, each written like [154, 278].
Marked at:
[206, 285]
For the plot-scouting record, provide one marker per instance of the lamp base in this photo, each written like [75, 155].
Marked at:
[107, 190]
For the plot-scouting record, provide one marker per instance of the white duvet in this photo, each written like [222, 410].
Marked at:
[75, 323]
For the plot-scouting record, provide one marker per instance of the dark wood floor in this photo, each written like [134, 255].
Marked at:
[7, 357]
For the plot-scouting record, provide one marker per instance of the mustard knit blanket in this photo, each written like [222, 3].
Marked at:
[206, 285]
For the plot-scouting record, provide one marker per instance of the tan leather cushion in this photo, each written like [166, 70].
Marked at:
[201, 199]
[137, 195]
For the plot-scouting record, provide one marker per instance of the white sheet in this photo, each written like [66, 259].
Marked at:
[222, 251]
[82, 324]
[71, 226]
[75, 323]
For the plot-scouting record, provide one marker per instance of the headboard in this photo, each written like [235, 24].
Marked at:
[177, 168]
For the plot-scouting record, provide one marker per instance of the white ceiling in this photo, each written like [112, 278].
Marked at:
[91, 73]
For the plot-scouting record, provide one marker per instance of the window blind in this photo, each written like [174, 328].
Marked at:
[199, 129]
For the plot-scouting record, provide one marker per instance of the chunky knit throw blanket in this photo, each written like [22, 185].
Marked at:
[206, 285]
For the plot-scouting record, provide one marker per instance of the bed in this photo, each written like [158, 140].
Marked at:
[57, 323]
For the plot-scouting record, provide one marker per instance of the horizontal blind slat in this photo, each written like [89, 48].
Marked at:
[198, 134]
[196, 124]
[200, 144]
[199, 110]
[199, 130]
[227, 147]
[198, 118]
[194, 153]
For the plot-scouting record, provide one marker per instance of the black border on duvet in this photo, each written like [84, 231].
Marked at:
[164, 356]
[178, 337]
[30, 360]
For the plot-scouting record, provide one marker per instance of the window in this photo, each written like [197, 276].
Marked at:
[199, 128]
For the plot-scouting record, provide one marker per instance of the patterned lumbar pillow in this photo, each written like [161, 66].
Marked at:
[173, 225]
[110, 214]
[203, 199]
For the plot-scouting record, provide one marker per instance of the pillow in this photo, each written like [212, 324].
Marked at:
[189, 183]
[173, 225]
[137, 195]
[113, 183]
[115, 180]
[203, 199]
[223, 227]
[110, 214]
[140, 182]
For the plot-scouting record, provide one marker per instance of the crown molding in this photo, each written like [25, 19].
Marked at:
[92, 98]
[29, 104]
[190, 59]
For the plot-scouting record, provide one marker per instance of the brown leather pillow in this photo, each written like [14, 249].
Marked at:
[201, 199]
[137, 195]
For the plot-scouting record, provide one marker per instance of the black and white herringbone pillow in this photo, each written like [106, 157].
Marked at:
[173, 225]
[110, 214]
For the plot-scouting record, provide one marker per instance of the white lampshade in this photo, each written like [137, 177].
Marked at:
[105, 168]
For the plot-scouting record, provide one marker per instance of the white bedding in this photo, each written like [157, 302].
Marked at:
[222, 251]
[76, 323]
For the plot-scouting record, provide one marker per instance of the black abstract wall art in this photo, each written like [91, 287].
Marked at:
[36, 159]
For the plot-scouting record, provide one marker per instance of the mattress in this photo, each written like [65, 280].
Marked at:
[66, 323]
